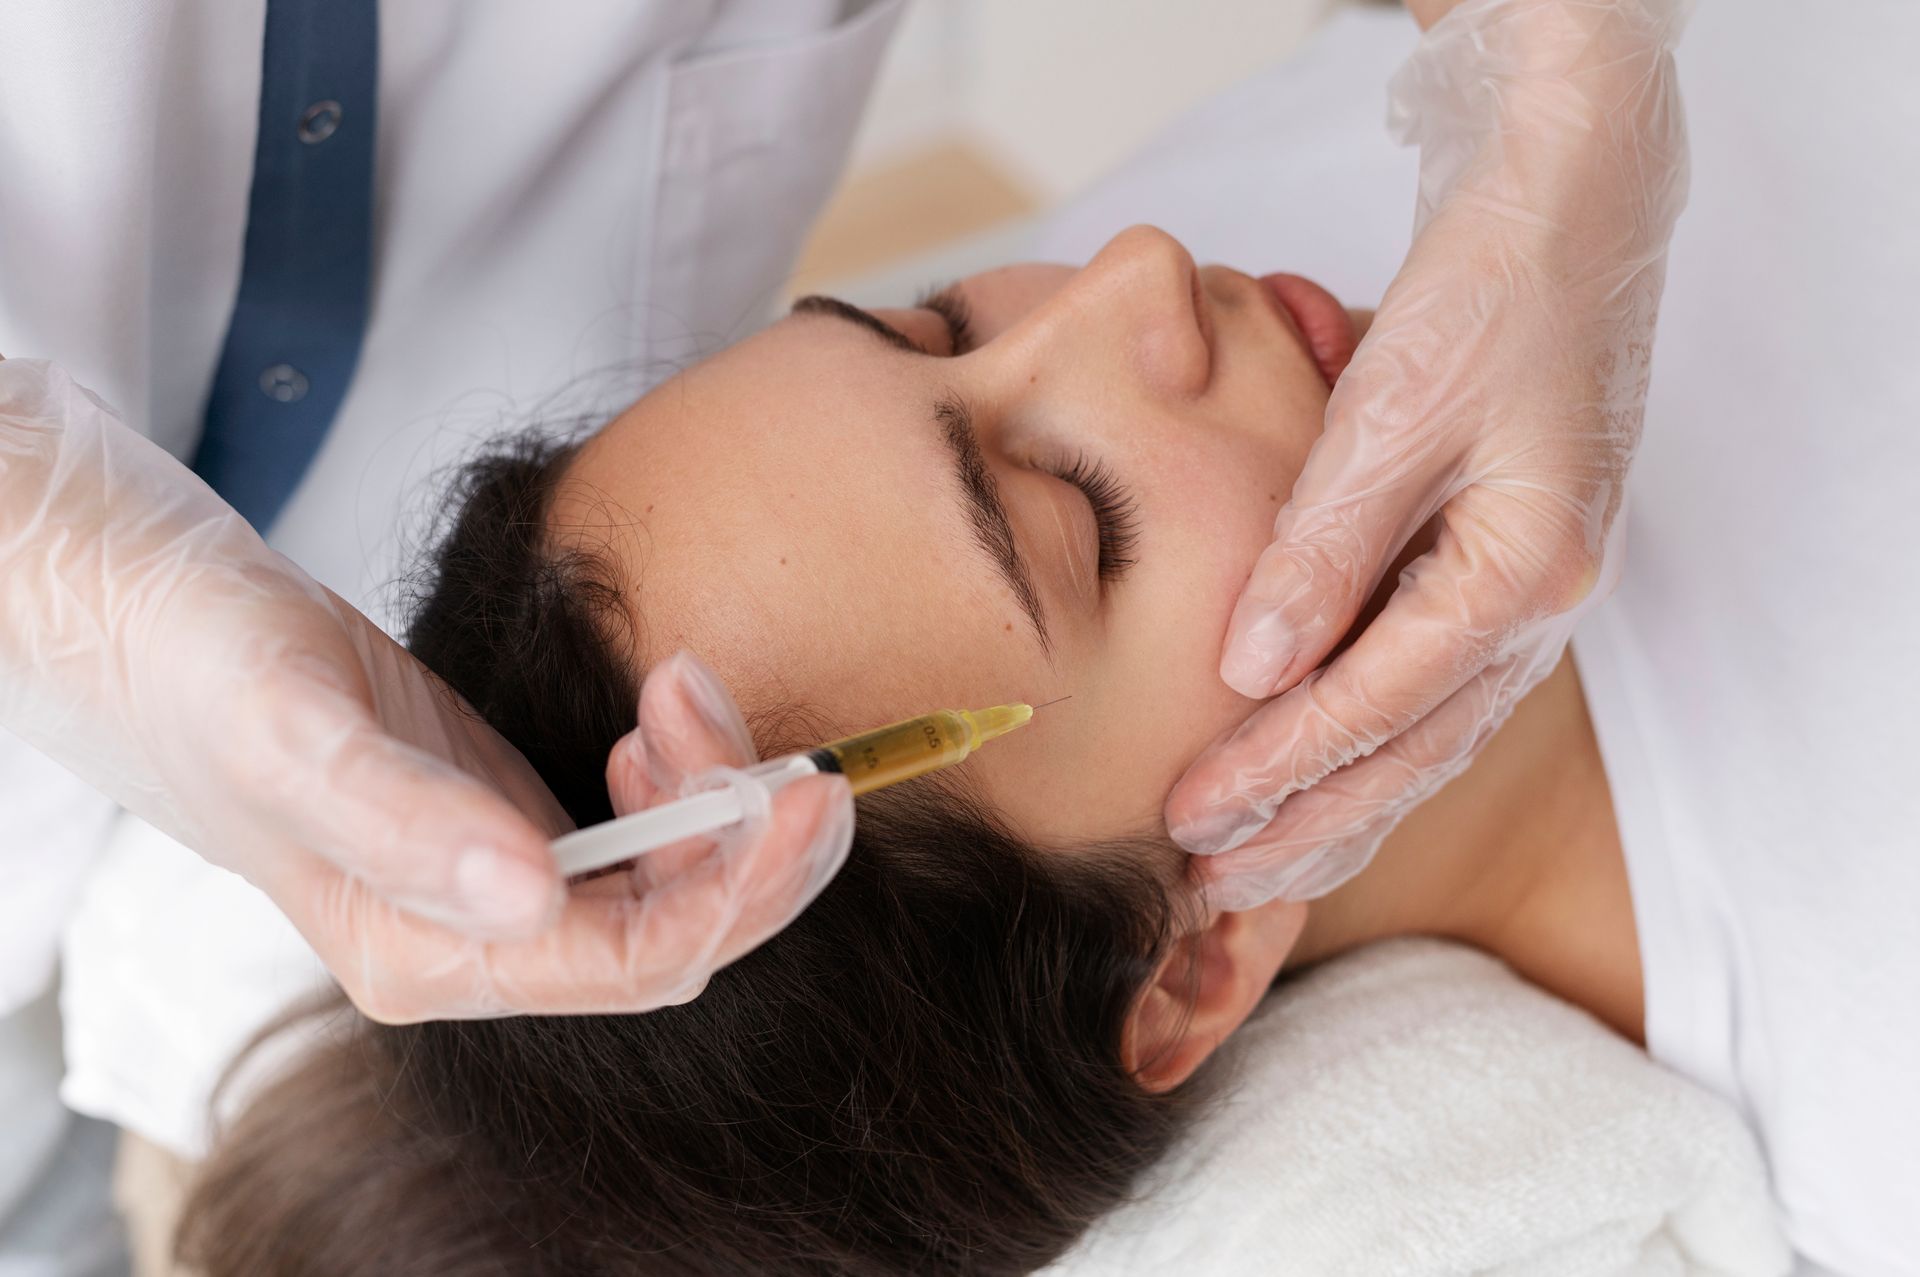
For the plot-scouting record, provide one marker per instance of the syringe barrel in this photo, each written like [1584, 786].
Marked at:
[900, 751]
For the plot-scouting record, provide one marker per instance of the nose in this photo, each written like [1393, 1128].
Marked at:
[1134, 315]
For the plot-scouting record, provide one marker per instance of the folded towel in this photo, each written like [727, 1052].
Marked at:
[1417, 1108]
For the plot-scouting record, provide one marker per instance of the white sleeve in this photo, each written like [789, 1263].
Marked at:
[52, 828]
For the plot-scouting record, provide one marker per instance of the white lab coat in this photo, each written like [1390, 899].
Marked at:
[567, 204]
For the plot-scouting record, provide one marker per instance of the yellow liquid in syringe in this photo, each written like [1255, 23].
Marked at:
[915, 746]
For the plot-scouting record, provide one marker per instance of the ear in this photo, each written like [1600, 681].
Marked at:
[1205, 988]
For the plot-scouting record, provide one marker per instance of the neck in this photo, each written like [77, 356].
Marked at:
[1518, 856]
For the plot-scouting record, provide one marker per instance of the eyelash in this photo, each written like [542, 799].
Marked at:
[1113, 513]
[953, 309]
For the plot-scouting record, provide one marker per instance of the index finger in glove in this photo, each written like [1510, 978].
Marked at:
[1456, 610]
[1323, 836]
[688, 727]
[1360, 496]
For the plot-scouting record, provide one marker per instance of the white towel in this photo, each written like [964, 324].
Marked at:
[1416, 1108]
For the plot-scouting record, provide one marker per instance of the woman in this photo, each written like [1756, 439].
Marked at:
[1037, 484]
[1729, 650]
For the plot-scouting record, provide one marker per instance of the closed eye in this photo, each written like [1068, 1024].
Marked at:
[1114, 513]
[951, 305]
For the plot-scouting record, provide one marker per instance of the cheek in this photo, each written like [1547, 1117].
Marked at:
[1214, 517]
[1103, 762]
[1171, 701]
[1209, 516]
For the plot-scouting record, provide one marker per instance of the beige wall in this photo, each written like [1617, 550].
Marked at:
[988, 110]
[1055, 91]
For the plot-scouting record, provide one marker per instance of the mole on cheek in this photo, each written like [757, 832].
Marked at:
[1009, 627]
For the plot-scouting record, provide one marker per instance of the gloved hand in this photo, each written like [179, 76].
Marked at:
[152, 643]
[1498, 394]
[647, 936]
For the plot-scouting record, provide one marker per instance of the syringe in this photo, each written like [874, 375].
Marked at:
[871, 760]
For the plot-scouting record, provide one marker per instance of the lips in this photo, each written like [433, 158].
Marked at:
[1323, 323]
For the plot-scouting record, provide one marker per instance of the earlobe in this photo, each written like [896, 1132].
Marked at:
[1205, 988]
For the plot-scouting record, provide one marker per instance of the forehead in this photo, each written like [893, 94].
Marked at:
[788, 510]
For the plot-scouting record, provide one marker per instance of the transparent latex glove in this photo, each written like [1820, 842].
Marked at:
[152, 643]
[645, 936]
[1497, 395]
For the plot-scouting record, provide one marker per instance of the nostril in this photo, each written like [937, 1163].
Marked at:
[1202, 311]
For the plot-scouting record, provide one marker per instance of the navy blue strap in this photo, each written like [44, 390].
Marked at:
[294, 337]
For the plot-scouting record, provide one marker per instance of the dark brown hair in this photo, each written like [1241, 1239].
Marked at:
[922, 1074]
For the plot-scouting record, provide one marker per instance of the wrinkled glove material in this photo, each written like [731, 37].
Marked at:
[1496, 401]
[153, 644]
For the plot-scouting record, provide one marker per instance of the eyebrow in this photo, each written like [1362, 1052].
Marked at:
[986, 512]
[820, 304]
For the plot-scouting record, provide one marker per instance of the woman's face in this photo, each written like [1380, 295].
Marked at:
[852, 515]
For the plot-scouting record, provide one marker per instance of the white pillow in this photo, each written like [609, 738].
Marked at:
[1416, 1108]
